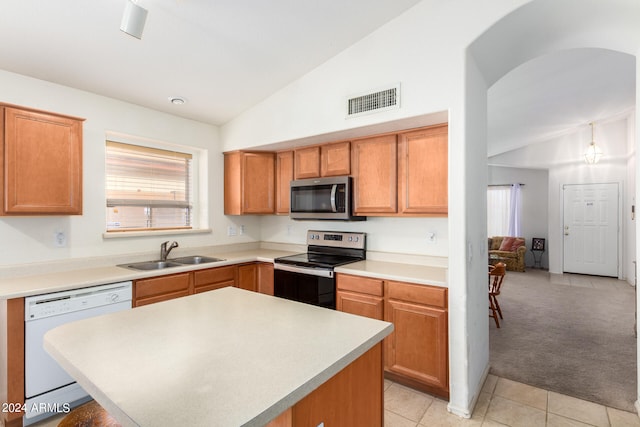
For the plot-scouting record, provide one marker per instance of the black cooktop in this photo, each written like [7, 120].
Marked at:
[316, 260]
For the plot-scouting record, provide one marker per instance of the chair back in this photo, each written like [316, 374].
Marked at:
[496, 276]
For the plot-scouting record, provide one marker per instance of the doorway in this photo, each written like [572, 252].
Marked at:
[591, 229]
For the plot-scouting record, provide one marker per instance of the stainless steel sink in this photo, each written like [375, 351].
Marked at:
[151, 265]
[195, 259]
[174, 262]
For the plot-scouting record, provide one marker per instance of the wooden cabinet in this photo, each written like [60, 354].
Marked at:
[214, 278]
[41, 156]
[340, 401]
[374, 164]
[12, 386]
[248, 277]
[265, 278]
[417, 350]
[361, 296]
[284, 176]
[423, 171]
[335, 159]
[307, 163]
[416, 353]
[249, 183]
[163, 288]
[323, 160]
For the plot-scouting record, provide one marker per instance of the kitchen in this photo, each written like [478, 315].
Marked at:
[30, 245]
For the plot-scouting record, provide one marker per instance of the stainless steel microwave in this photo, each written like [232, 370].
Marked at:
[323, 198]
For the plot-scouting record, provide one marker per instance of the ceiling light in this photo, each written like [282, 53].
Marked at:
[133, 19]
[177, 100]
[593, 153]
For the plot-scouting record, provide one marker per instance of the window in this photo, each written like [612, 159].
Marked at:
[148, 188]
[498, 202]
[504, 210]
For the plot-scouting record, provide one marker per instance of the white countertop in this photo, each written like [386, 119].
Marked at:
[222, 358]
[43, 281]
[48, 282]
[414, 273]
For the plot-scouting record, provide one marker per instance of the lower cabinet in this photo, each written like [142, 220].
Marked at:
[214, 278]
[163, 288]
[340, 401]
[416, 353]
[254, 276]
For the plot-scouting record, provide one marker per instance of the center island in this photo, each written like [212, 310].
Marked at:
[228, 358]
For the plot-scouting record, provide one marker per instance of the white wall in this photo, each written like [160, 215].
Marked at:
[424, 50]
[535, 196]
[30, 239]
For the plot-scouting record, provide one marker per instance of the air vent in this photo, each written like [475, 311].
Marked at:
[382, 100]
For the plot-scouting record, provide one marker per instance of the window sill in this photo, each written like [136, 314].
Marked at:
[125, 234]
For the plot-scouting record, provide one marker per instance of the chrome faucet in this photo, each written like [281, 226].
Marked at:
[164, 251]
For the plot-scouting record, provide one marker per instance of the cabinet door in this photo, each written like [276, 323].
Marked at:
[42, 160]
[307, 162]
[163, 288]
[335, 159]
[265, 278]
[248, 277]
[423, 171]
[258, 184]
[214, 278]
[360, 304]
[417, 348]
[284, 175]
[374, 163]
[249, 183]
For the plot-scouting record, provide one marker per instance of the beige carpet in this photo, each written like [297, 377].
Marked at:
[568, 333]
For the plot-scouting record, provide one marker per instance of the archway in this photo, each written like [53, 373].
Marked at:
[539, 27]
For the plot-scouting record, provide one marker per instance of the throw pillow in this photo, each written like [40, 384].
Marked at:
[516, 244]
[507, 243]
[495, 243]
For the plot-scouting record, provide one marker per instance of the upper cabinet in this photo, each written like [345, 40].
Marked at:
[374, 162]
[323, 160]
[423, 171]
[402, 174]
[41, 157]
[399, 174]
[249, 183]
[307, 162]
[335, 159]
[284, 176]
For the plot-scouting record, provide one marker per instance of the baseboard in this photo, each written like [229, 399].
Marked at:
[637, 406]
[467, 412]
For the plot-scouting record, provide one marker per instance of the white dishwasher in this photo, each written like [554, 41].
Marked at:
[48, 388]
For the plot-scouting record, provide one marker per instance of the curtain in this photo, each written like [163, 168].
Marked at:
[498, 201]
[515, 212]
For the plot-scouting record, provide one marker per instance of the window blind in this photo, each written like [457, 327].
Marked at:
[147, 188]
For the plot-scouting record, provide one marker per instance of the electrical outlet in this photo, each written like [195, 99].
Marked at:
[59, 239]
[231, 231]
[241, 230]
[289, 229]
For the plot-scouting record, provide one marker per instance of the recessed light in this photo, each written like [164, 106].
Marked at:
[177, 100]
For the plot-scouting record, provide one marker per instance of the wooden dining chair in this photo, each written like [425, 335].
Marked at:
[496, 276]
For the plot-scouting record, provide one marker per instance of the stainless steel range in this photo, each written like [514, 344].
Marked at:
[309, 277]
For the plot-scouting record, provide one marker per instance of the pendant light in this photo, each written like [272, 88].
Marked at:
[593, 153]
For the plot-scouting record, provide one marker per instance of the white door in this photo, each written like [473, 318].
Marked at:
[591, 229]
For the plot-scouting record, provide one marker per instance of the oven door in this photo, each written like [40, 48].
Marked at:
[308, 285]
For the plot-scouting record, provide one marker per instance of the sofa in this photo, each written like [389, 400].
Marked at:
[510, 250]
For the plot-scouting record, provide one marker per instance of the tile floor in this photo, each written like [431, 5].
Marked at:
[502, 402]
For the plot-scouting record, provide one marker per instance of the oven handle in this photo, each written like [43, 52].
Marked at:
[303, 270]
[334, 189]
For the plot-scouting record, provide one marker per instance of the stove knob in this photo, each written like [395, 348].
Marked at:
[317, 237]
